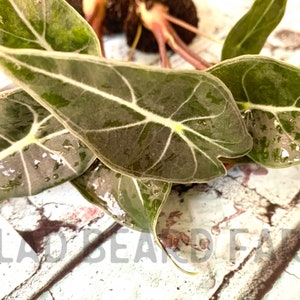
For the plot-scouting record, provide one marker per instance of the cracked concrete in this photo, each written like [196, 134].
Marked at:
[52, 239]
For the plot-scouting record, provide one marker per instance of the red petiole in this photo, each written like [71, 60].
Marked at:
[95, 11]
[157, 20]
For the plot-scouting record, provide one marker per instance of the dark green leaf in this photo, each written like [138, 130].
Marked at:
[152, 123]
[268, 94]
[36, 151]
[249, 35]
[134, 203]
[45, 24]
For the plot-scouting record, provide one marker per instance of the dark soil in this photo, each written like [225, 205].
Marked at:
[183, 9]
[116, 14]
[121, 16]
[77, 4]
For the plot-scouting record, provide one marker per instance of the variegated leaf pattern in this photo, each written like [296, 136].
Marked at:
[268, 94]
[144, 122]
[132, 202]
[36, 151]
[45, 24]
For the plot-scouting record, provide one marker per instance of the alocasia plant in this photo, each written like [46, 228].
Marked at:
[147, 127]
[161, 124]
[37, 152]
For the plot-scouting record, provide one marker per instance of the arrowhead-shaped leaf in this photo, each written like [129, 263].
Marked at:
[249, 35]
[134, 203]
[36, 151]
[268, 94]
[152, 123]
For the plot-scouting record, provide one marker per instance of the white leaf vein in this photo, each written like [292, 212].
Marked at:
[26, 172]
[40, 40]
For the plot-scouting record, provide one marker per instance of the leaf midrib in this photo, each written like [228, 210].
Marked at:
[267, 108]
[257, 24]
[175, 126]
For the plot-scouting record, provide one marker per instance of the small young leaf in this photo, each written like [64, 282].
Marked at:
[152, 123]
[36, 151]
[268, 94]
[45, 24]
[131, 202]
[249, 35]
